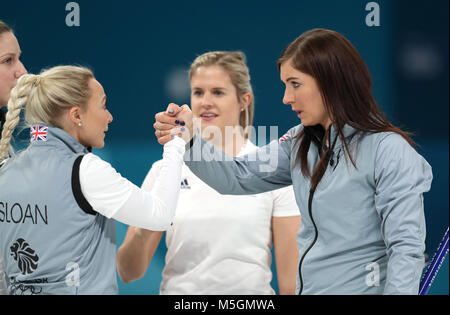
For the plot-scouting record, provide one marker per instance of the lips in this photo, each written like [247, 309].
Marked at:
[208, 116]
[299, 112]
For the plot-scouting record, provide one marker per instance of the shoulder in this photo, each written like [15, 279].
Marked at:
[394, 153]
[287, 141]
[92, 166]
[291, 133]
[391, 143]
[90, 159]
[156, 166]
[390, 138]
[383, 144]
[284, 202]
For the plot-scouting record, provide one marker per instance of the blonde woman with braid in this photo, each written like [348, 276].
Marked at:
[57, 199]
[11, 68]
[220, 244]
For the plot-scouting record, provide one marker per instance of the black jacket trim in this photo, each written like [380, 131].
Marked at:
[2, 121]
[76, 188]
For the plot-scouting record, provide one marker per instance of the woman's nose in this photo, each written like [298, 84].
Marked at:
[110, 119]
[287, 98]
[21, 70]
[206, 99]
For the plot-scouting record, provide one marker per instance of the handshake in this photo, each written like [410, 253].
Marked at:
[175, 121]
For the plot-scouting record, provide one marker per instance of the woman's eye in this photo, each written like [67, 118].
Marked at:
[295, 85]
[218, 93]
[197, 93]
[8, 60]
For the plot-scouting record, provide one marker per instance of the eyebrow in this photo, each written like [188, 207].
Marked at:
[292, 78]
[214, 88]
[11, 54]
[7, 54]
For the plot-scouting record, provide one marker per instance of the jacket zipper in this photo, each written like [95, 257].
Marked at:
[316, 235]
[330, 158]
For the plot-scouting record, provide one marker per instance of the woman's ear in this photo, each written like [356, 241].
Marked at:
[75, 115]
[246, 99]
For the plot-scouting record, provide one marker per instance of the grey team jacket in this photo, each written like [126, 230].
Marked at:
[367, 225]
[51, 240]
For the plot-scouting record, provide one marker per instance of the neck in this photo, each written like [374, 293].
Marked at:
[230, 145]
[327, 124]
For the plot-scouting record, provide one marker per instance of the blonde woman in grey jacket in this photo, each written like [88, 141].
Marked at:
[58, 200]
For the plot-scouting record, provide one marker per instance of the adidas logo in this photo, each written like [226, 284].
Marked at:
[185, 184]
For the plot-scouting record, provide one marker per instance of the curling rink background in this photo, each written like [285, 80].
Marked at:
[140, 52]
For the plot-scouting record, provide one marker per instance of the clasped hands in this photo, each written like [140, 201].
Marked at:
[175, 121]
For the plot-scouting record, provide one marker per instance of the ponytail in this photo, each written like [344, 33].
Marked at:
[17, 100]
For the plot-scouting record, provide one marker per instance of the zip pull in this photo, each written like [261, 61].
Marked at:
[330, 157]
[338, 157]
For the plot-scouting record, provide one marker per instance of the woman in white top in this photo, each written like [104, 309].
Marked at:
[220, 244]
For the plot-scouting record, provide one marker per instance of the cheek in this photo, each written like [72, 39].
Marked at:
[5, 83]
[233, 107]
[196, 108]
[5, 92]
[314, 100]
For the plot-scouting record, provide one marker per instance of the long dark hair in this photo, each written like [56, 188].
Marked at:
[345, 84]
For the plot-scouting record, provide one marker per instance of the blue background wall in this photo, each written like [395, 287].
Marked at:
[140, 51]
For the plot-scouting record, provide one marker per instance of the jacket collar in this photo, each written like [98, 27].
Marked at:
[348, 131]
[42, 135]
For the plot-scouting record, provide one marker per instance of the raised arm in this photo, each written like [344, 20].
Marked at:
[115, 197]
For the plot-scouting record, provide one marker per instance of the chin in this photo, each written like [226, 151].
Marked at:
[98, 145]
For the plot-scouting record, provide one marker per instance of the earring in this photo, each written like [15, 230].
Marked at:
[80, 124]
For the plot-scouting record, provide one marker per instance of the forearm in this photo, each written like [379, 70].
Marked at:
[136, 252]
[156, 209]
[286, 252]
[263, 170]
[287, 282]
[404, 270]
[116, 197]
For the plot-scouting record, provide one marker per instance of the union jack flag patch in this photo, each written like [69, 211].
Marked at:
[284, 138]
[38, 133]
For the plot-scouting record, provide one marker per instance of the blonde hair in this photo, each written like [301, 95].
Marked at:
[4, 28]
[46, 97]
[234, 63]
